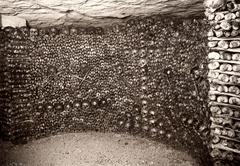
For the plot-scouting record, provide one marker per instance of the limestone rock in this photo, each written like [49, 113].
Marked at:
[12, 21]
[94, 12]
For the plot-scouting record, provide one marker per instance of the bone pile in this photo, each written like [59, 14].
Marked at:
[224, 79]
[145, 77]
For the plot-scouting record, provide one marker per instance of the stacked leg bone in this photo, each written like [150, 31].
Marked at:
[224, 78]
[18, 83]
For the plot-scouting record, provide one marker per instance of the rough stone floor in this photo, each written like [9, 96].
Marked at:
[92, 149]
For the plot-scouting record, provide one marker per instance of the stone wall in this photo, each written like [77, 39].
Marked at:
[94, 12]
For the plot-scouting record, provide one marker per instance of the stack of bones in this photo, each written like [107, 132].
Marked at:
[147, 76]
[224, 79]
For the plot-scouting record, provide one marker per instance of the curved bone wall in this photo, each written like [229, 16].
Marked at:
[145, 77]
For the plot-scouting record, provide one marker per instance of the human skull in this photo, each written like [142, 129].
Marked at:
[53, 31]
[43, 32]
[91, 30]
[9, 32]
[64, 31]
[25, 31]
[116, 28]
[233, 5]
[73, 31]
[33, 33]
[131, 22]
[149, 20]
[82, 30]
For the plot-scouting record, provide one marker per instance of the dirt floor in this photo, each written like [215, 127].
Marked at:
[93, 149]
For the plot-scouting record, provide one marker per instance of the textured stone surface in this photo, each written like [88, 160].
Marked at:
[12, 21]
[93, 149]
[95, 12]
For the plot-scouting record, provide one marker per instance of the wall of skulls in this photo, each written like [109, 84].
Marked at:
[146, 77]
